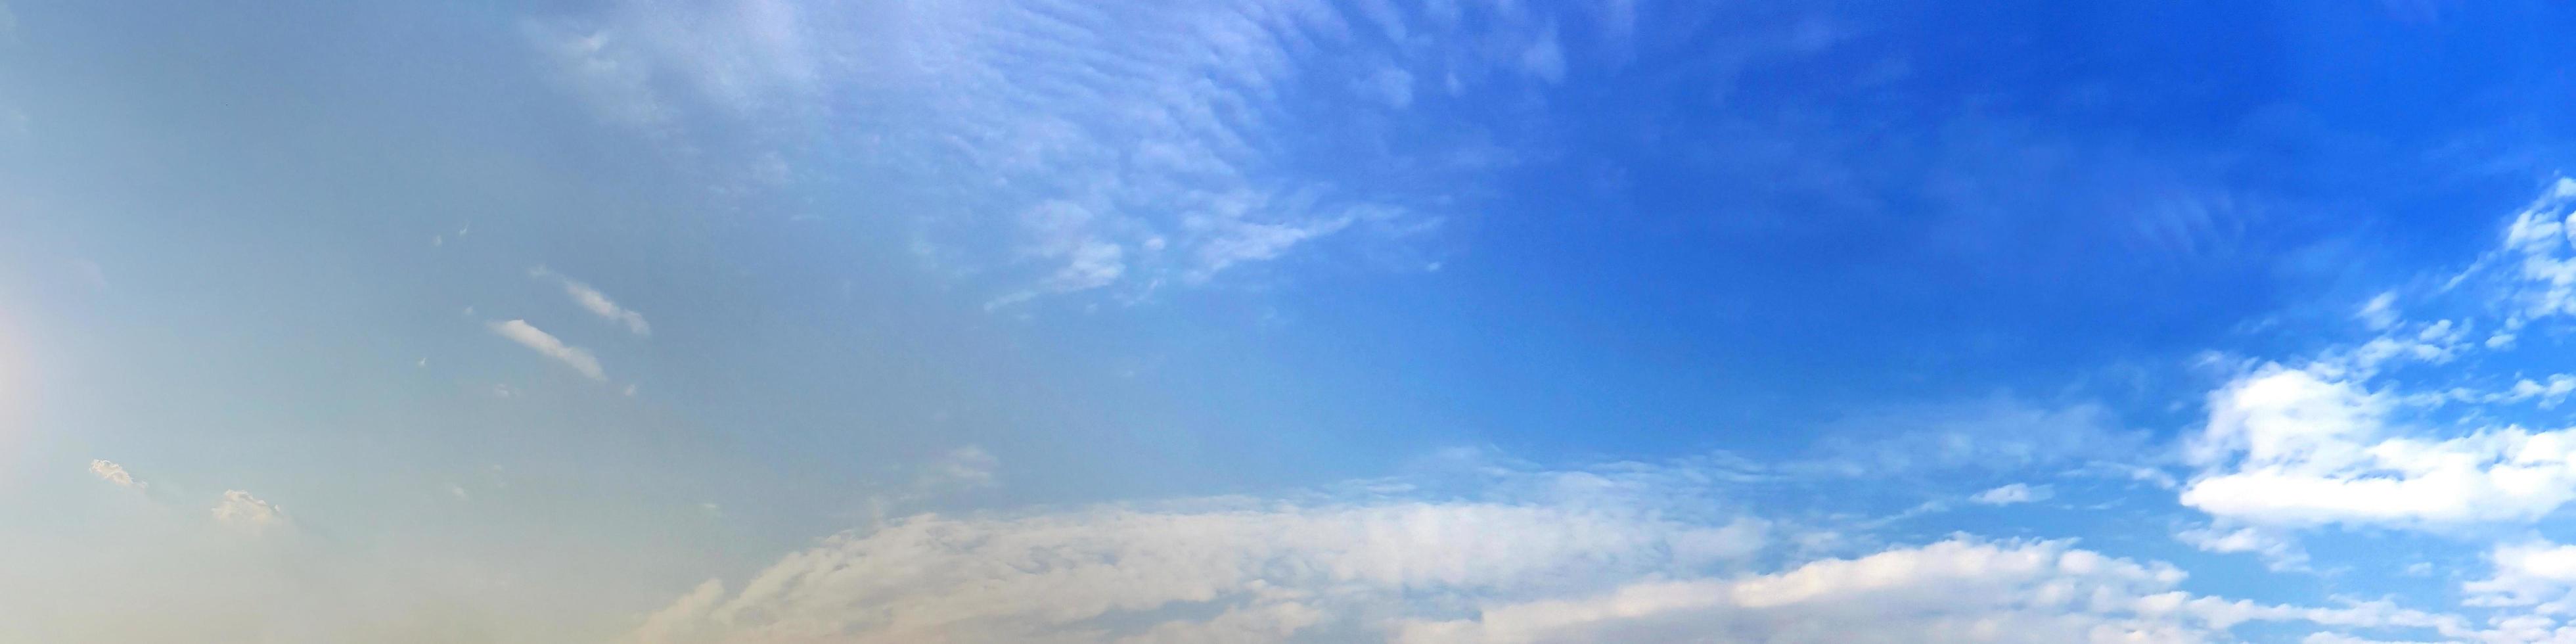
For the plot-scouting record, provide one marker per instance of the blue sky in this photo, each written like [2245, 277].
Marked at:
[1287, 320]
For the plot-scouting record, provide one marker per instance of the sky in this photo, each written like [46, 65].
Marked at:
[735, 321]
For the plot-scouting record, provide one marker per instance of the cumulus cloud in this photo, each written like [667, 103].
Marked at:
[240, 509]
[2012, 494]
[2534, 573]
[597, 303]
[546, 344]
[111, 472]
[2292, 447]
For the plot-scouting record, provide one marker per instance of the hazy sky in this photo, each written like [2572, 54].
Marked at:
[1287, 320]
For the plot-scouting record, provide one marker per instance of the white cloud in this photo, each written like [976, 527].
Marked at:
[1440, 573]
[2011, 494]
[114, 473]
[646, 63]
[2537, 248]
[240, 509]
[1180, 125]
[2380, 312]
[1224, 569]
[1060, 575]
[545, 344]
[590, 299]
[1626, 552]
[2289, 447]
[1951, 591]
[2535, 573]
[2276, 550]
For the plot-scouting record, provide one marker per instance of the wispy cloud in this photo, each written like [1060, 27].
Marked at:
[546, 344]
[114, 473]
[590, 299]
[1103, 146]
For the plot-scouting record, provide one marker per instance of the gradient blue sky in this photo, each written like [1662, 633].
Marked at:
[1286, 320]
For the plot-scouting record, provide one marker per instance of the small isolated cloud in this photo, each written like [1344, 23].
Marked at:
[597, 303]
[2277, 551]
[240, 509]
[2011, 494]
[547, 345]
[111, 472]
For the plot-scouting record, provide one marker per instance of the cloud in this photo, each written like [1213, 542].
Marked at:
[2352, 436]
[1186, 135]
[113, 473]
[2290, 447]
[2538, 254]
[1223, 569]
[545, 344]
[2534, 573]
[1621, 552]
[2276, 550]
[1995, 433]
[596, 302]
[2380, 311]
[1959, 590]
[648, 63]
[240, 509]
[2012, 494]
